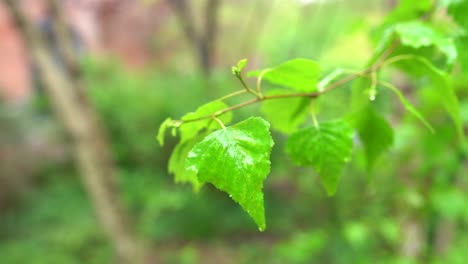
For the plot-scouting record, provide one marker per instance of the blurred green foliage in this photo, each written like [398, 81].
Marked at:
[421, 178]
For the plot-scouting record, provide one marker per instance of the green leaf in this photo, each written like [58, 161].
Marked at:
[241, 64]
[190, 130]
[417, 34]
[236, 160]
[409, 9]
[441, 81]
[177, 162]
[162, 130]
[443, 84]
[462, 47]
[298, 74]
[326, 148]
[458, 10]
[409, 106]
[285, 114]
[375, 133]
[190, 134]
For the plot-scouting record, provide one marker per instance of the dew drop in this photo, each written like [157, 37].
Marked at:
[372, 97]
[346, 159]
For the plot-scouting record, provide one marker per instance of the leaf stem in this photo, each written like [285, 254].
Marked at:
[313, 114]
[231, 95]
[373, 88]
[397, 59]
[407, 104]
[219, 122]
[246, 87]
[259, 82]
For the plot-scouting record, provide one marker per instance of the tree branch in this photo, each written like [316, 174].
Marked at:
[370, 70]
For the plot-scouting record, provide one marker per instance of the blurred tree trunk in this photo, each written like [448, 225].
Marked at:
[413, 238]
[204, 39]
[391, 4]
[91, 150]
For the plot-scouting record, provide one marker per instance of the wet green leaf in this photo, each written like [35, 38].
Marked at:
[236, 160]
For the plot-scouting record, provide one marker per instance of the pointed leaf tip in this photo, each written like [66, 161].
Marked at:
[241, 65]
[326, 148]
[236, 160]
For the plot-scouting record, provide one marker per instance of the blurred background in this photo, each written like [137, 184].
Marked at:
[85, 84]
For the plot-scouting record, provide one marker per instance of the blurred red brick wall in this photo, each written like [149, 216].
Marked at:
[121, 28]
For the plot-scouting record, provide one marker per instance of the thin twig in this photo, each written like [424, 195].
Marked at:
[246, 87]
[373, 68]
[231, 95]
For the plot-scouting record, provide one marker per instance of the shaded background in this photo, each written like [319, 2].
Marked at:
[142, 61]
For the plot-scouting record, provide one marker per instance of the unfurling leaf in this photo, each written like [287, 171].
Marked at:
[241, 64]
[236, 70]
[236, 160]
[326, 148]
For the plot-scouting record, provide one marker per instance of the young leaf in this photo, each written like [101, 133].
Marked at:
[190, 130]
[326, 148]
[241, 65]
[236, 160]
[375, 133]
[162, 130]
[285, 114]
[298, 74]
